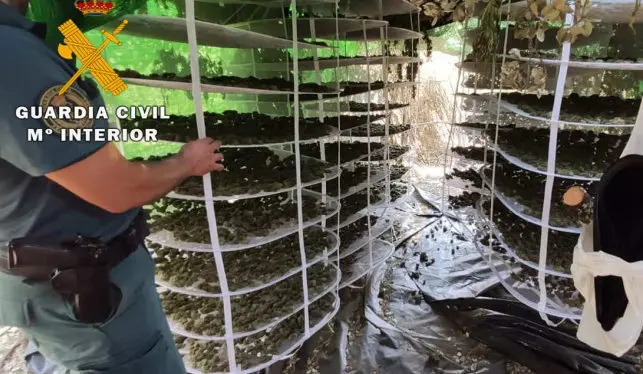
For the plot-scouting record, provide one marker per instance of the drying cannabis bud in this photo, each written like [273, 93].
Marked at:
[235, 128]
[358, 201]
[254, 170]
[237, 222]
[464, 200]
[398, 171]
[527, 189]
[579, 108]
[251, 311]
[469, 175]
[374, 107]
[351, 178]
[276, 84]
[395, 152]
[355, 88]
[523, 238]
[259, 348]
[397, 190]
[349, 151]
[379, 129]
[354, 231]
[244, 269]
[530, 145]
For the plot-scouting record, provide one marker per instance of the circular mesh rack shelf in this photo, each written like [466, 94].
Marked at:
[250, 260]
[525, 231]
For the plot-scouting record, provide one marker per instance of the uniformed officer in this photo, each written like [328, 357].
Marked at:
[53, 191]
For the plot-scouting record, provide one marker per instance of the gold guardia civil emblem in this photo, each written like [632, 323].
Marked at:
[90, 57]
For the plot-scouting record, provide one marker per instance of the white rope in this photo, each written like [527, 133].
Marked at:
[283, 18]
[320, 103]
[496, 132]
[339, 126]
[300, 215]
[551, 168]
[387, 123]
[320, 107]
[254, 74]
[207, 186]
[412, 66]
[368, 148]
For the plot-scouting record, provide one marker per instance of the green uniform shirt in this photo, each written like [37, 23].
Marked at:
[30, 204]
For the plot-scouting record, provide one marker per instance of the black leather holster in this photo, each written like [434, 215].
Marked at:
[77, 269]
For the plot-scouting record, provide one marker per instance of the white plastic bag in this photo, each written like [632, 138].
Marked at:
[588, 264]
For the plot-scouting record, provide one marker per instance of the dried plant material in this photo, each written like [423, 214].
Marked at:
[275, 84]
[244, 269]
[484, 43]
[233, 128]
[510, 74]
[525, 77]
[533, 9]
[256, 349]
[530, 146]
[354, 231]
[432, 10]
[455, 10]
[551, 13]
[250, 311]
[349, 151]
[586, 27]
[253, 170]
[537, 20]
[525, 191]
[538, 80]
[531, 30]
[378, 129]
[350, 179]
[398, 171]
[460, 13]
[562, 6]
[237, 222]
[577, 108]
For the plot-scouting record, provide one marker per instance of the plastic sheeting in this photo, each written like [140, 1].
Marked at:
[404, 334]
[426, 314]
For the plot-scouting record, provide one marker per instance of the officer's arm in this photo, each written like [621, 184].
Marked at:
[93, 170]
[108, 180]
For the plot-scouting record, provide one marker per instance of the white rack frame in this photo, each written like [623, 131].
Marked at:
[545, 306]
[297, 192]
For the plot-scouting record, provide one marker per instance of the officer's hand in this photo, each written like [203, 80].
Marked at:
[200, 157]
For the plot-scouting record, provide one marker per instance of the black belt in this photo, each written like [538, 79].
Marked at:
[110, 254]
[77, 269]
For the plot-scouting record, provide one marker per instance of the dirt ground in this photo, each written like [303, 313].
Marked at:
[12, 345]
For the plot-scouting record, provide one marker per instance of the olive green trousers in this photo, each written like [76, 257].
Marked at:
[136, 340]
